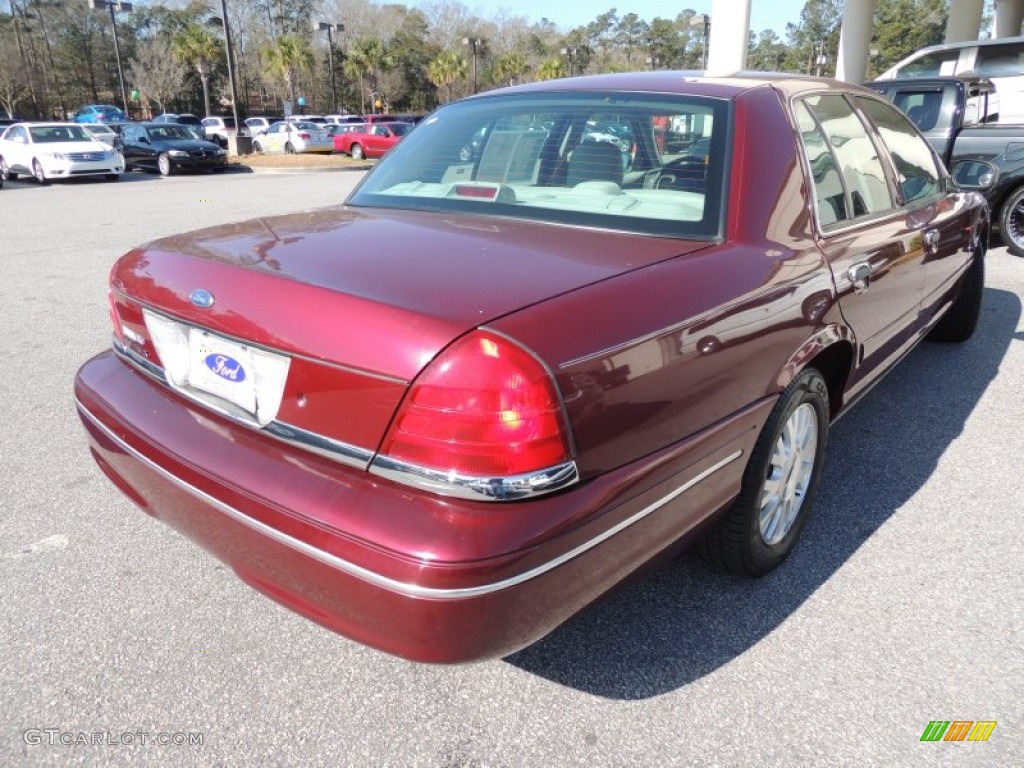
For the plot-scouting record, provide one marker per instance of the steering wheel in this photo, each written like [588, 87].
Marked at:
[685, 167]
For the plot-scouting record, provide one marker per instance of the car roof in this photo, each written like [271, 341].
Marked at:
[687, 82]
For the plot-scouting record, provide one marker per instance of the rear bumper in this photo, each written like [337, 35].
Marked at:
[423, 577]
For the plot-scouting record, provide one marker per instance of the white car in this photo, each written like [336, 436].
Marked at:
[220, 129]
[292, 137]
[104, 133]
[257, 125]
[50, 151]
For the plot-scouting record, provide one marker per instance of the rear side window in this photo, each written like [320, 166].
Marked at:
[829, 193]
[855, 154]
[1004, 60]
[917, 173]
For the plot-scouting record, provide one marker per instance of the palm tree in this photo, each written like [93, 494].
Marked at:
[550, 69]
[510, 68]
[369, 57]
[287, 57]
[198, 47]
[446, 69]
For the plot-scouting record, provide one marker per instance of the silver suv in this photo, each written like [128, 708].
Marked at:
[220, 128]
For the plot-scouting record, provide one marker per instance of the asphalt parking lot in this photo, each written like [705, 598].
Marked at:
[903, 604]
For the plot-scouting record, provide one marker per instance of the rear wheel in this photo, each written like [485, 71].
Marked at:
[357, 152]
[289, 149]
[6, 172]
[961, 319]
[256, 147]
[39, 173]
[764, 522]
[1011, 223]
[163, 164]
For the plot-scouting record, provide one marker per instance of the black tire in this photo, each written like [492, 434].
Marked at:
[356, 150]
[738, 541]
[256, 147]
[1011, 223]
[961, 319]
[112, 176]
[163, 164]
[289, 149]
[39, 173]
[6, 171]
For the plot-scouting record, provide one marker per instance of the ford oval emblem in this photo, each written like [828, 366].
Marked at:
[225, 367]
[202, 298]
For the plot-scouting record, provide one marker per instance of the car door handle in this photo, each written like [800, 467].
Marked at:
[931, 238]
[860, 276]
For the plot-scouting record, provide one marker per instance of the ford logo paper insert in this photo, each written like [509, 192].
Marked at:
[202, 298]
[225, 367]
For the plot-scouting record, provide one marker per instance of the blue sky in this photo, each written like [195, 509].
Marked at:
[764, 14]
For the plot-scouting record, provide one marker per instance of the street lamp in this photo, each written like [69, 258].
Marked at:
[231, 75]
[703, 20]
[475, 43]
[330, 27]
[116, 5]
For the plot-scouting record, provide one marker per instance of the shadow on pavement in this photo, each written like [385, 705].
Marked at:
[684, 620]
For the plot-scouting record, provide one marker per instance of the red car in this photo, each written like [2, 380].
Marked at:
[445, 416]
[370, 139]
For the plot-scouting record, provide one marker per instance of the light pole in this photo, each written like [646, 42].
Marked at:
[703, 20]
[820, 59]
[330, 27]
[474, 43]
[570, 54]
[116, 5]
[231, 74]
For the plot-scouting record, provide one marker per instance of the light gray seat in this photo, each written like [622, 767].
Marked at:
[594, 161]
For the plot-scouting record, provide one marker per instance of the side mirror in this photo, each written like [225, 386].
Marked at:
[974, 174]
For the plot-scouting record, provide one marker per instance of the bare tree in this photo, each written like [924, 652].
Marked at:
[13, 81]
[157, 72]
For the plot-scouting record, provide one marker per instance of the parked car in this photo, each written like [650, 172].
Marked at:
[343, 119]
[1000, 61]
[258, 125]
[100, 113]
[51, 151]
[219, 129]
[169, 148]
[185, 118]
[293, 137]
[104, 132]
[449, 414]
[957, 116]
[370, 140]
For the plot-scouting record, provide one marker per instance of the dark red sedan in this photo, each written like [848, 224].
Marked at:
[445, 416]
[370, 139]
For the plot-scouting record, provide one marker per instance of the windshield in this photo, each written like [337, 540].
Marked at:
[53, 133]
[653, 164]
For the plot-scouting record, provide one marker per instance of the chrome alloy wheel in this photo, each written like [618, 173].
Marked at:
[789, 474]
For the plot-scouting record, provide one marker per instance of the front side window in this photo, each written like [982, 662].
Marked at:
[651, 164]
[931, 65]
[856, 156]
[1001, 60]
[917, 173]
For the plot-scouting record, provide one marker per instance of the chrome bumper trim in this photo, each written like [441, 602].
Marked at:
[478, 488]
[336, 450]
[384, 582]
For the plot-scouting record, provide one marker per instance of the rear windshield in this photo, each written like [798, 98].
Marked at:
[652, 164]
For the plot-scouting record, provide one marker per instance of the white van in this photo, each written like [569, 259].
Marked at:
[1000, 61]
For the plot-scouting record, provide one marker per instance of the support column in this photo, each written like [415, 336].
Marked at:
[855, 40]
[727, 46]
[964, 21]
[1009, 14]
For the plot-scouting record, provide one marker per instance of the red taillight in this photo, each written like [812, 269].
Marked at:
[485, 408]
[114, 317]
[305, 136]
